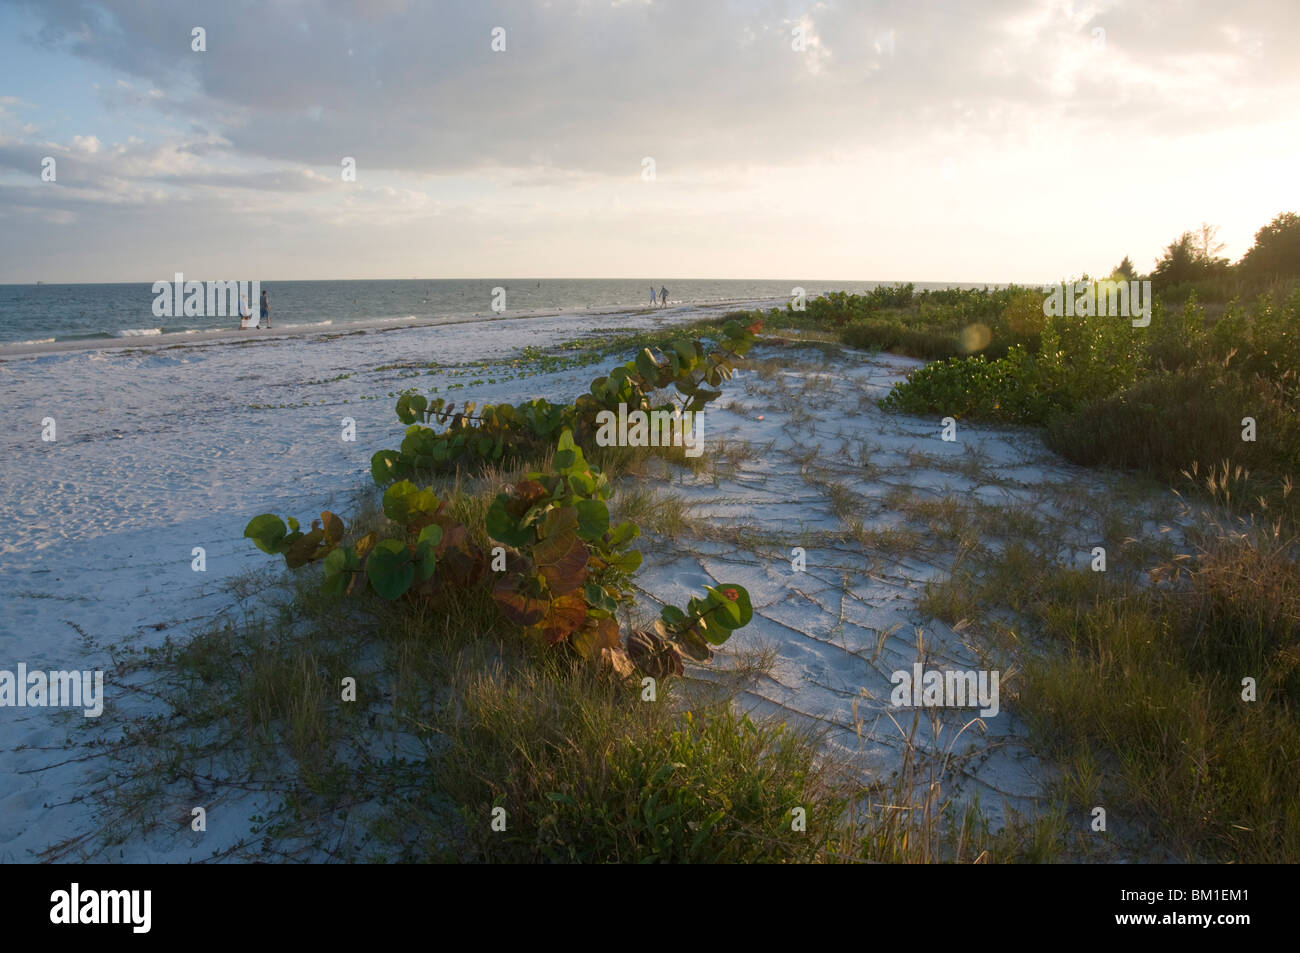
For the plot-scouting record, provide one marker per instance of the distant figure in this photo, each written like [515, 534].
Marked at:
[652, 296]
[246, 319]
[266, 310]
[663, 297]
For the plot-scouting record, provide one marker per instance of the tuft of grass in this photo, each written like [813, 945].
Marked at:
[587, 772]
[1135, 687]
[663, 513]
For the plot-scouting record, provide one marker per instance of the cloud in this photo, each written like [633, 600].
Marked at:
[890, 110]
[416, 87]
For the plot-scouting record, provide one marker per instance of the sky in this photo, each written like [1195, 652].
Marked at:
[923, 140]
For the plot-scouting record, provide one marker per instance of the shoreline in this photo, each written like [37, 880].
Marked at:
[220, 336]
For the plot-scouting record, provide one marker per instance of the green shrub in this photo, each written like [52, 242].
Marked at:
[884, 334]
[592, 776]
[1165, 423]
[1085, 358]
[1177, 337]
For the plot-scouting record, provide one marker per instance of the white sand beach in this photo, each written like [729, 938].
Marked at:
[165, 446]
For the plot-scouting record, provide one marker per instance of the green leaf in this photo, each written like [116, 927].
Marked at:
[427, 562]
[404, 502]
[685, 351]
[425, 549]
[647, 366]
[383, 465]
[743, 608]
[623, 533]
[335, 562]
[503, 527]
[672, 615]
[339, 566]
[593, 519]
[266, 531]
[389, 568]
[582, 484]
[431, 535]
[626, 563]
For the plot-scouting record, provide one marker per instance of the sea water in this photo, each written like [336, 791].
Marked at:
[44, 312]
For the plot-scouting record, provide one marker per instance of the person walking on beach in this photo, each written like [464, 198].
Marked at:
[663, 297]
[266, 310]
[245, 312]
[652, 296]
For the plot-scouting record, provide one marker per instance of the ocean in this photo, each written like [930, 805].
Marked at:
[41, 313]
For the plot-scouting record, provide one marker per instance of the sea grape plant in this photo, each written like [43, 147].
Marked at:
[502, 432]
[393, 566]
[565, 573]
[705, 623]
[272, 536]
[568, 568]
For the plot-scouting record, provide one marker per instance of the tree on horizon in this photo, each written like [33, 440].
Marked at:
[1276, 252]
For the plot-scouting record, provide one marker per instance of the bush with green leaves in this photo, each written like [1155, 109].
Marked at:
[567, 568]
[933, 324]
[1169, 421]
[560, 573]
[504, 433]
[1008, 389]
[1079, 359]
[427, 539]
[705, 623]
